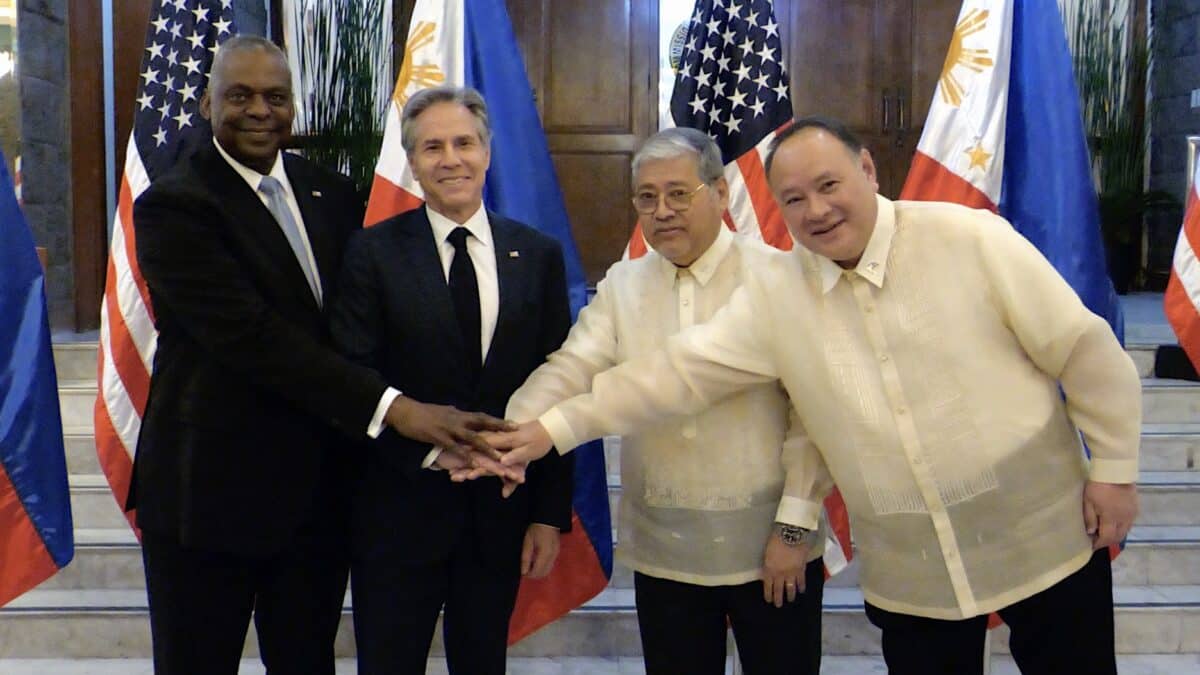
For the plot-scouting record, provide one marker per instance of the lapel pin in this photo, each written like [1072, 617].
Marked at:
[316, 193]
[514, 254]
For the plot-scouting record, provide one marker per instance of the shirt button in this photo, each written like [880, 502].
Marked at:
[685, 303]
[901, 410]
[883, 357]
[869, 308]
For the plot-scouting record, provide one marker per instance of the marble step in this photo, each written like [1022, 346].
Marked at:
[77, 401]
[1138, 664]
[1143, 357]
[1167, 498]
[1164, 555]
[114, 624]
[1170, 401]
[75, 360]
[93, 505]
[1170, 447]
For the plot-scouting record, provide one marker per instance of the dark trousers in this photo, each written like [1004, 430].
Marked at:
[396, 607]
[1067, 628]
[683, 626]
[201, 603]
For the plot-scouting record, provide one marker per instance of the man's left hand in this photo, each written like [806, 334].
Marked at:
[1108, 511]
[783, 570]
[539, 550]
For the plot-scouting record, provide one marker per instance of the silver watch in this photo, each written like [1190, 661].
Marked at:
[792, 535]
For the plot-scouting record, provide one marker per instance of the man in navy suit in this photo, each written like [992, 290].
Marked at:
[453, 305]
[240, 476]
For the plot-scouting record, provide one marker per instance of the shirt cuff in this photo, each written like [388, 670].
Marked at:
[1113, 470]
[798, 512]
[376, 426]
[558, 429]
[428, 462]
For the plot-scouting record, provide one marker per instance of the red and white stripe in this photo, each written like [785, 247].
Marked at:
[127, 342]
[1182, 298]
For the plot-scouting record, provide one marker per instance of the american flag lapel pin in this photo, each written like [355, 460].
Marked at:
[514, 254]
[316, 193]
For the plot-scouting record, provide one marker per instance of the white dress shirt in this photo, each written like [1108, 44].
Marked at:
[253, 179]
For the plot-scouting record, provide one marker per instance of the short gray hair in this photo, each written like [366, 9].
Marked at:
[680, 141]
[243, 43]
[426, 98]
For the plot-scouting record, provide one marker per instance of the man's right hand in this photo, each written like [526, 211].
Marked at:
[445, 426]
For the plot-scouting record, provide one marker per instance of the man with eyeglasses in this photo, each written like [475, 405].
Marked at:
[706, 521]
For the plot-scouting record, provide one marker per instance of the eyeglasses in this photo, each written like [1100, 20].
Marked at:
[646, 203]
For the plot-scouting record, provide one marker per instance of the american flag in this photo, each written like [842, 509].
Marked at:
[732, 84]
[180, 44]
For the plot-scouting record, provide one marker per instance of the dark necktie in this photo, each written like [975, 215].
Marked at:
[464, 289]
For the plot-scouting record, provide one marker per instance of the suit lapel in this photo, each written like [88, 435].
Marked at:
[320, 238]
[253, 219]
[512, 278]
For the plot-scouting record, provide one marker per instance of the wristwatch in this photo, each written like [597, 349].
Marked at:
[792, 535]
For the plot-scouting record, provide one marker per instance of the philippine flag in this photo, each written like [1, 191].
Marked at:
[1005, 133]
[36, 534]
[471, 43]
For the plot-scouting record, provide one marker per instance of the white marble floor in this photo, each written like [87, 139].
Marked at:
[1147, 664]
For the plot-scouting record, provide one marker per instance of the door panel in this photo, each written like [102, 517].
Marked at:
[596, 187]
[589, 78]
[838, 64]
[872, 64]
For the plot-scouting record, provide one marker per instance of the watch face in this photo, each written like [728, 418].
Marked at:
[792, 534]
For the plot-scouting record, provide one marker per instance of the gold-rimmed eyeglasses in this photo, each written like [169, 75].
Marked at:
[646, 202]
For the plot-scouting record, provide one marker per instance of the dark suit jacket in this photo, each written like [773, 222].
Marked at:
[395, 314]
[237, 447]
